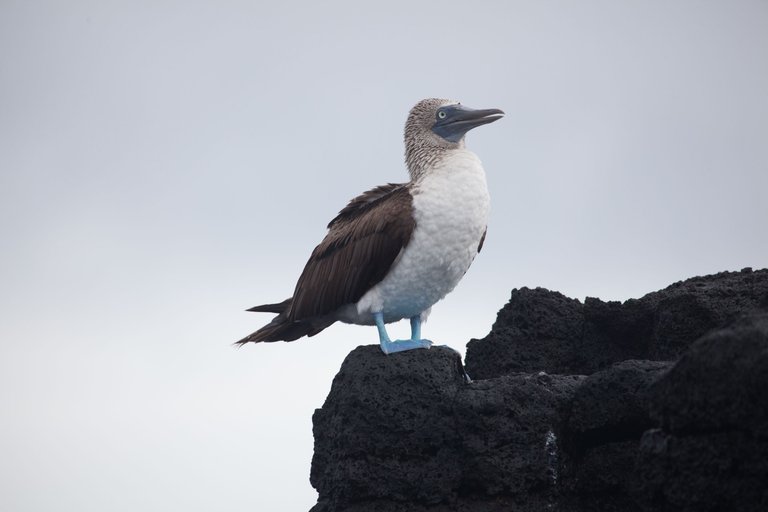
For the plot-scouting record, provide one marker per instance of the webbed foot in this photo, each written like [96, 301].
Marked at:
[390, 347]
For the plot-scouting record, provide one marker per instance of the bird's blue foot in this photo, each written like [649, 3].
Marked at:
[390, 347]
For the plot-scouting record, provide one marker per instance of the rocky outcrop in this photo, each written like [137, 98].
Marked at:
[659, 403]
[411, 431]
[710, 448]
[607, 416]
[543, 330]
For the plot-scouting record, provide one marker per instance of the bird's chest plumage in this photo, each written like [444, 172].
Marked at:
[450, 206]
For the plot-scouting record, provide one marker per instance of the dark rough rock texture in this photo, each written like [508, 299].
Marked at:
[710, 451]
[612, 404]
[540, 330]
[726, 377]
[409, 429]
[386, 430]
[608, 415]
[654, 404]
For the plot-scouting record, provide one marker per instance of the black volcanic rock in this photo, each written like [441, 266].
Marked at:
[509, 428]
[654, 404]
[608, 415]
[711, 450]
[409, 430]
[613, 404]
[720, 384]
[534, 332]
[387, 428]
[540, 330]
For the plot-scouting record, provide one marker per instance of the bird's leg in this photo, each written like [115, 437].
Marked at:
[389, 347]
[416, 327]
[383, 336]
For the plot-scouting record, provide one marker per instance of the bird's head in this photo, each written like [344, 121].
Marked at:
[435, 125]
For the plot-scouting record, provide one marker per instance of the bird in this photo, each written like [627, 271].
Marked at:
[397, 249]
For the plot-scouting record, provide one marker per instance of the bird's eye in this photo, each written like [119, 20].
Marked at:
[441, 114]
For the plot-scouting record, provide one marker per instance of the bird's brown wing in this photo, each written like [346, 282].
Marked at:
[362, 243]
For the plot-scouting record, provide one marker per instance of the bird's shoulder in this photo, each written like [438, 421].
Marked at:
[369, 199]
[380, 216]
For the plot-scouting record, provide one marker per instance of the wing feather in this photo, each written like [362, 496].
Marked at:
[362, 243]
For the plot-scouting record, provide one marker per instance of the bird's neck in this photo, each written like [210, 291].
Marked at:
[420, 158]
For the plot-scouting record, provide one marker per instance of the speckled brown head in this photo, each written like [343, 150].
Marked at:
[435, 126]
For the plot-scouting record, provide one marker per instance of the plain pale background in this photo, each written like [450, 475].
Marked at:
[165, 165]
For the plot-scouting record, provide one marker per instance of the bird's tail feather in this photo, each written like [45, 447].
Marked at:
[272, 308]
[283, 329]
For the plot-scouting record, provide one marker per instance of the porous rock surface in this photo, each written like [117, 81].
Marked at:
[543, 330]
[658, 403]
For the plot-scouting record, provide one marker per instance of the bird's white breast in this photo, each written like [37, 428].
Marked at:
[450, 206]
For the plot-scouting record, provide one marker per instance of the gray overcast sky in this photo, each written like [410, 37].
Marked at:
[165, 165]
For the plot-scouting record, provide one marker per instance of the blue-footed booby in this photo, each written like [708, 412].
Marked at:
[397, 249]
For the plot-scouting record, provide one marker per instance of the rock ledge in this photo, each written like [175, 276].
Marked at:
[654, 404]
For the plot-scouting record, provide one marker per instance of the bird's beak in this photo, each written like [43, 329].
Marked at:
[458, 120]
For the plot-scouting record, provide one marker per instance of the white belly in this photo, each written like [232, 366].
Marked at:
[451, 206]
